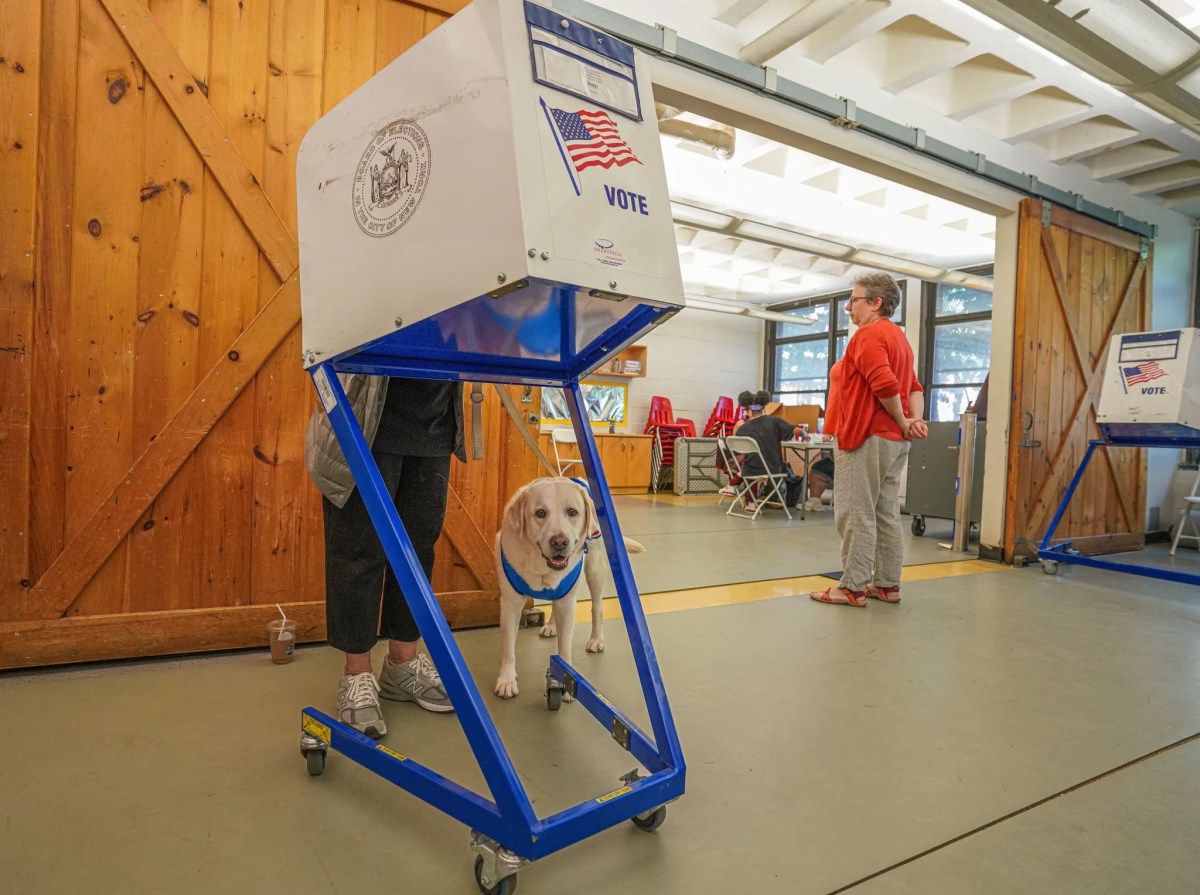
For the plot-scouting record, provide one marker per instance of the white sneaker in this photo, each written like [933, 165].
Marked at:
[813, 505]
[358, 704]
[728, 491]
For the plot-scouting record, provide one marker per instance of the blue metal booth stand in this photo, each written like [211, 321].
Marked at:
[506, 834]
[1051, 556]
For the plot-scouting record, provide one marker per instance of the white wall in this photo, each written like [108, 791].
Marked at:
[692, 359]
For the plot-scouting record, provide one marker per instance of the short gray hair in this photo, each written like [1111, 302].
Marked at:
[881, 285]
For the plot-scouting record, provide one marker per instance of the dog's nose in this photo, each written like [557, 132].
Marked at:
[559, 542]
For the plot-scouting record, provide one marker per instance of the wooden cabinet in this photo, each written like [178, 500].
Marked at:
[625, 458]
[626, 461]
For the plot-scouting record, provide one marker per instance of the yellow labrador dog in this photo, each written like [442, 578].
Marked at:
[541, 551]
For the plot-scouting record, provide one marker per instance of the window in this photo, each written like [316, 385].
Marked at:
[799, 355]
[956, 346]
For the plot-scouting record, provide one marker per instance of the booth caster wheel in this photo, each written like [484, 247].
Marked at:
[506, 886]
[554, 692]
[313, 751]
[1050, 566]
[918, 525]
[651, 821]
[315, 759]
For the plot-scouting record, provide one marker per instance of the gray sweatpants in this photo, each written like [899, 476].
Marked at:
[866, 508]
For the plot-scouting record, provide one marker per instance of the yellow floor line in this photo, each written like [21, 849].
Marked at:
[754, 591]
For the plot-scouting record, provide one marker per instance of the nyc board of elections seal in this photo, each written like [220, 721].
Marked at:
[391, 178]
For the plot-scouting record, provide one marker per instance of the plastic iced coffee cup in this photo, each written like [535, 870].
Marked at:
[282, 634]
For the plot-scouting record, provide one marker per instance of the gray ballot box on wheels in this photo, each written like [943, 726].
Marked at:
[932, 469]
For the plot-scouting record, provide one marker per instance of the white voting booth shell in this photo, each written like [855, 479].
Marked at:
[476, 190]
[1152, 384]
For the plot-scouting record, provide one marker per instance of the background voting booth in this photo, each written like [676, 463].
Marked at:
[1149, 398]
[492, 207]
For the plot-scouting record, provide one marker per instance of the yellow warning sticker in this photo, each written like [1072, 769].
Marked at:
[613, 795]
[394, 754]
[316, 728]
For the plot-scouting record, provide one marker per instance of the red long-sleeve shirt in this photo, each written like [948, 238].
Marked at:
[878, 364]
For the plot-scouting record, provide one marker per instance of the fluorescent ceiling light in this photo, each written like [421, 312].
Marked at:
[897, 265]
[700, 217]
[790, 239]
[777, 317]
[1136, 28]
[708, 304]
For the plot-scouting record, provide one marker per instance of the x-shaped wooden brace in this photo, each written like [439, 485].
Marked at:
[1084, 413]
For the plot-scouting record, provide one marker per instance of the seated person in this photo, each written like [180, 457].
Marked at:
[820, 478]
[745, 399]
[770, 432]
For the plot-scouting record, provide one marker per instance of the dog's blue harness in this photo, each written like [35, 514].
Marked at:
[522, 587]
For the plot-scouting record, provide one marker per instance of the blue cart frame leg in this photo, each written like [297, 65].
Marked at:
[1050, 556]
[506, 832]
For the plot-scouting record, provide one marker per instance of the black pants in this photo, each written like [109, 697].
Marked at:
[355, 565]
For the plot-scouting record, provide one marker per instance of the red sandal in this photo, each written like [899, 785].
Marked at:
[884, 594]
[840, 596]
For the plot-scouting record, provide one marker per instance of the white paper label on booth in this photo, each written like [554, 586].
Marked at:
[566, 65]
[324, 390]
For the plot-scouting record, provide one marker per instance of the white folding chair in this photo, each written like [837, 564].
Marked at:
[564, 463]
[1191, 504]
[732, 466]
[742, 444]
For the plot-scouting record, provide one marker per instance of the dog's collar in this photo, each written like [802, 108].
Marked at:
[522, 587]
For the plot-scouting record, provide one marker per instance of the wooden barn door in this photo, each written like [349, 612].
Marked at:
[152, 402]
[1078, 282]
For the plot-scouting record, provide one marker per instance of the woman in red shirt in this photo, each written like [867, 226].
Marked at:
[879, 408]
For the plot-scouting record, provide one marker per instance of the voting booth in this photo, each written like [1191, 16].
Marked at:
[492, 206]
[1151, 386]
[1149, 398]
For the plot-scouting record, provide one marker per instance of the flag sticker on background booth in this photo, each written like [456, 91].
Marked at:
[1145, 372]
[588, 140]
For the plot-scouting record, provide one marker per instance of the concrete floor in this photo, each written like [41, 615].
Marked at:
[916, 748]
[706, 547]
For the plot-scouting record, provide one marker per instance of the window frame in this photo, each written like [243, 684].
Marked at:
[929, 325]
[836, 301]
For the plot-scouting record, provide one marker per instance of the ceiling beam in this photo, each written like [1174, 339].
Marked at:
[794, 29]
[1040, 22]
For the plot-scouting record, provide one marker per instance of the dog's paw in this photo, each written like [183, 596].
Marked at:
[548, 630]
[506, 688]
[595, 645]
[567, 697]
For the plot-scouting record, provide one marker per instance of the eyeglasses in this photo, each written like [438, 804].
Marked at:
[854, 298]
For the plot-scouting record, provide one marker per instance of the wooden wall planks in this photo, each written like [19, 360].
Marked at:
[174, 126]
[20, 70]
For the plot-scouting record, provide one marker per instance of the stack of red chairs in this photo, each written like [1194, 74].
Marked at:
[662, 424]
[722, 420]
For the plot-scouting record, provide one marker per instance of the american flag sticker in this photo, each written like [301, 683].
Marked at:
[1143, 372]
[588, 139]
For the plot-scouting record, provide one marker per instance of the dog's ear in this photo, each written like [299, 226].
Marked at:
[591, 522]
[514, 513]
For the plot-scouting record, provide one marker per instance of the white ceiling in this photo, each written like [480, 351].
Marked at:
[945, 66]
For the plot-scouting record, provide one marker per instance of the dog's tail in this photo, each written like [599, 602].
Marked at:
[633, 546]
